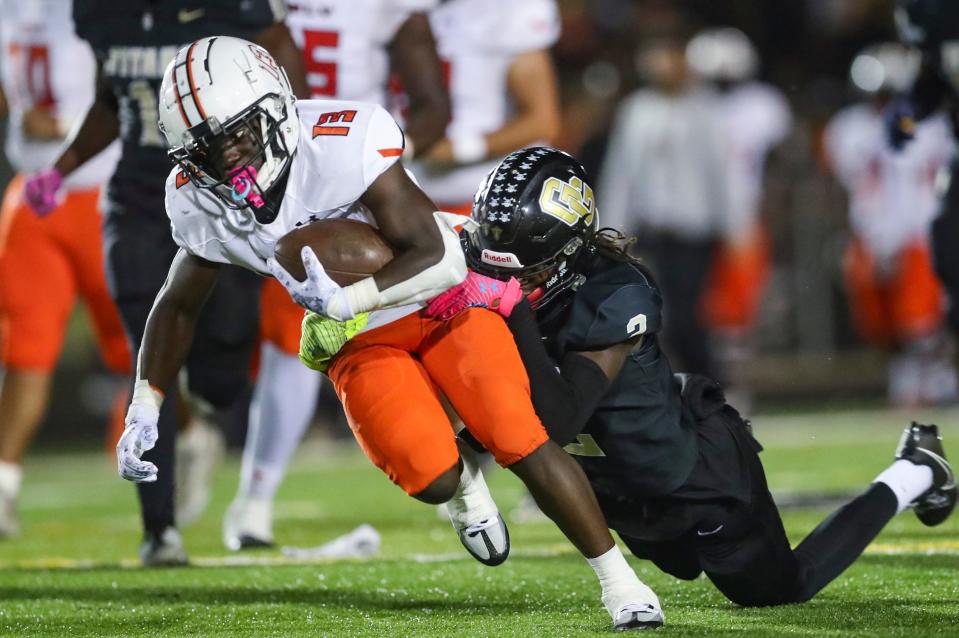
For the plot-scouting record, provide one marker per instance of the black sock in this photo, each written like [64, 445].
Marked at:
[841, 538]
[156, 499]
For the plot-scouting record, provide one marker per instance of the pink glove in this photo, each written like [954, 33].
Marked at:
[41, 190]
[476, 291]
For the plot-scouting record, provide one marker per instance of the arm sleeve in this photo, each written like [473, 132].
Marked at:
[564, 397]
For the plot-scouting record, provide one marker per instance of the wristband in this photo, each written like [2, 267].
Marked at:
[469, 148]
[362, 296]
[146, 394]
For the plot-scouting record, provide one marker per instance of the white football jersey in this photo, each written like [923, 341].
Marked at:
[344, 43]
[892, 195]
[46, 65]
[343, 147]
[757, 118]
[477, 41]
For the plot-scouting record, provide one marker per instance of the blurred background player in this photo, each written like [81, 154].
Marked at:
[45, 263]
[757, 117]
[895, 298]
[933, 27]
[349, 47]
[503, 90]
[665, 178]
[133, 42]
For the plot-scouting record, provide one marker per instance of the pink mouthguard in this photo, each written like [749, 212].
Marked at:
[242, 180]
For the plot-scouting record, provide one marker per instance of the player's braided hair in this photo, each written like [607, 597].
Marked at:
[613, 244]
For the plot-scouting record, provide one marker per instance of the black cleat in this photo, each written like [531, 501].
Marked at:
[922, 445]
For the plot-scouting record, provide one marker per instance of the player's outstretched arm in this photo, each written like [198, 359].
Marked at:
[166, 342]
[565, 394]
[99, 126]
[414, 59]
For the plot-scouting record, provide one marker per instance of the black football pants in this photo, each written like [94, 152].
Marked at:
[139, 250]
[945, 244]
[744, 551]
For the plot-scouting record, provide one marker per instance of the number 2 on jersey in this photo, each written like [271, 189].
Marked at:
[584, 445]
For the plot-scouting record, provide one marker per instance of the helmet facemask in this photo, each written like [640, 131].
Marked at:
[241, 160]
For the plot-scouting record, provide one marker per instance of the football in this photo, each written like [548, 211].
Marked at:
[349, 250]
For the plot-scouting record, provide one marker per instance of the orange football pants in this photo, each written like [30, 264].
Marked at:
[904, 304]
[389, 380]
[280, 317]
[736, 282]
[44, 264]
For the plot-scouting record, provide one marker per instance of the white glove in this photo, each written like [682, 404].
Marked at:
[317, 291]
[139, 436]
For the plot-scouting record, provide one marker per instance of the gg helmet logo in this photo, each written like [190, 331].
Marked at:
[568, 201]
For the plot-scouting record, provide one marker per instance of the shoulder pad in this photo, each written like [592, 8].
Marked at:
[612, 307]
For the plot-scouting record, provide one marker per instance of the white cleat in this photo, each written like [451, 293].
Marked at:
[199, 450]
[638, 616]
[248, 523]
[487, 541]
[637, 608]
[474, 515]
[163, 550]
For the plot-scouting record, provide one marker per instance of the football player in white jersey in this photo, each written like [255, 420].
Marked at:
[895, 298]
[348, 48]
[756, 117]
[45, 263]
[502, 86]
[228, 114]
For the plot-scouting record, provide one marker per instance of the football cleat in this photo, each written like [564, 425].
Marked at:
[638, 616]
[922, 445]
[199, 450]
[638, 608]
[474, 514]
[487, 541]
[248, 524]
[163, 550]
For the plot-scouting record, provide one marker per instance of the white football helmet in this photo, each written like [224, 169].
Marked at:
[228, 114]
[722, 55]
[885, 67]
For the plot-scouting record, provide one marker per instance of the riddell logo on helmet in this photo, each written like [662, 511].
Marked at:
[508, 260]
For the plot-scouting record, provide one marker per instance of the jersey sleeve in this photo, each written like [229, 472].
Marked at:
[612, 308]
[382, 147]
[530, 25]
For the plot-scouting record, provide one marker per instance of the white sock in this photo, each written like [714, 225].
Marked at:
[907, 481]
[620, 583]
[11, 475]
[283, 404]
[472, 501]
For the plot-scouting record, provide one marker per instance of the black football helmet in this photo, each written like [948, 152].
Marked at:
[927, 22]
[534, 215]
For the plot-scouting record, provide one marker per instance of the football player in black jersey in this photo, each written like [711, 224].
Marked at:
[676, 469]
[933, 27]
[133, 42]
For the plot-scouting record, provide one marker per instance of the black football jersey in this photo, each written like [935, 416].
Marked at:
[933, 26]
[134, 40]
[640, 439]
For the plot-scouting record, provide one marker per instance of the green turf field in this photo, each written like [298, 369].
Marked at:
[73, 571]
